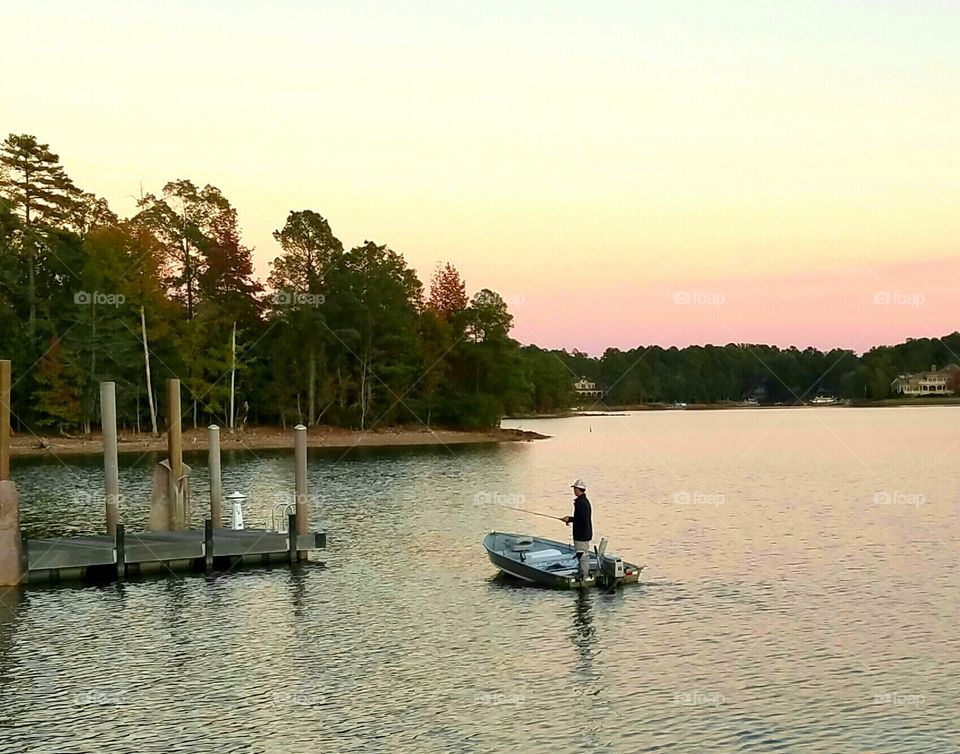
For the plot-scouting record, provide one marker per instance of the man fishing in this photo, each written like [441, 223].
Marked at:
[582, 520]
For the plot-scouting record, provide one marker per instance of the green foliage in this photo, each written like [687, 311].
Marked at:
[739, 371]
[551, 380]
[57, 397]
[343, 337]
[35, 184]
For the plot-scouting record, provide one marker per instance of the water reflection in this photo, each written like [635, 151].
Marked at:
[11, 603]
[298, 584]
[584, 632]
[408, 640]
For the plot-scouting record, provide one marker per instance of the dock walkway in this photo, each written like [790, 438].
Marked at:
[105, 557]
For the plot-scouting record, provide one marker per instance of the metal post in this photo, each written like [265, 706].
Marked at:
[4, 419]
[175, 454]
[300, 507]
[111, 469]
[121, 545]
[293, 553]
[216, 492]
[208, 544]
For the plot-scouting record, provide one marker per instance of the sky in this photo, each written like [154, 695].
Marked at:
[623, 173]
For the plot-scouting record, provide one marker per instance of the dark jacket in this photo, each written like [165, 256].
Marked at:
[582, 519]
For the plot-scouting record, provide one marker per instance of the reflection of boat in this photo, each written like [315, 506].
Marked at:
[679, 404]
[554, 564]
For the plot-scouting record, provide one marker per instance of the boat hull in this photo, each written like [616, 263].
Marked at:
[552, 564]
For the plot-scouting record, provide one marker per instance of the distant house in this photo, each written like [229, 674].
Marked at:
[933, 382]
[587, 389]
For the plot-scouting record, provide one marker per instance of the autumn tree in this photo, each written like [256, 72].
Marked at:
[57, 400]
[226, 278]
[448, 294]
[184, 219]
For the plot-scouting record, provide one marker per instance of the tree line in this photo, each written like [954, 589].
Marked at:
[345, 337]
[768, 374]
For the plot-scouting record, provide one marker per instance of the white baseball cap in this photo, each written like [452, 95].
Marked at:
[580, 485]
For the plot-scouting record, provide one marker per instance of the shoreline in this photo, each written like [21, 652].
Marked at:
[265, 438]
[619, 410]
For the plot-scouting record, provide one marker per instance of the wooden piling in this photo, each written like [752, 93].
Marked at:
[300, 459]
[175, 455]
[216, 490]
[11, 538]
[4, 419]
[111, 469]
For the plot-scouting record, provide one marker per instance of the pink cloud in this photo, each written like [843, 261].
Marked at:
[847, 308]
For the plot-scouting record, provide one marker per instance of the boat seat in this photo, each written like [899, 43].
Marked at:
[519, 544]
[544, 555]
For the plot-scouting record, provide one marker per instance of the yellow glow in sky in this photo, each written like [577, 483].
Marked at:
[539, 146]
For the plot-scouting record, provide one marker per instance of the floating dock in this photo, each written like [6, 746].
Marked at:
[169, 546]
[105, 558]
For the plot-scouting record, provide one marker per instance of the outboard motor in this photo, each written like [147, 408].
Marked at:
[611, 568]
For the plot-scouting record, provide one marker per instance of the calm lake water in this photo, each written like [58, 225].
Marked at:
[800, 594]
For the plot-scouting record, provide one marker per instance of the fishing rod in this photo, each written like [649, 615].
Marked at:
[532, 513]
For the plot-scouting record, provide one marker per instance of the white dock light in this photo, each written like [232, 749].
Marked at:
[236, 509]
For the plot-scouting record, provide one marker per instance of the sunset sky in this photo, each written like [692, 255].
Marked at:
[623, 173]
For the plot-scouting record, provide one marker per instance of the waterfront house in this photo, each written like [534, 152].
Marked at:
[587, 389]
[932, 382]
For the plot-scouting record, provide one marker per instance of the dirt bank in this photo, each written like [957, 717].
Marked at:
[267, 438]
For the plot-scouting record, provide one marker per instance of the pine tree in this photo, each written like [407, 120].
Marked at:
[35, 186]
[300, 281]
